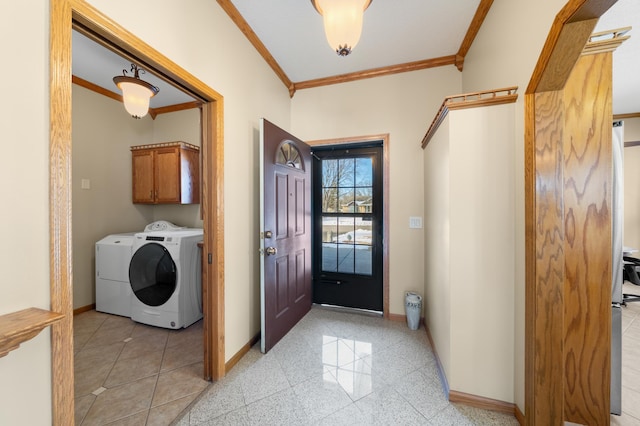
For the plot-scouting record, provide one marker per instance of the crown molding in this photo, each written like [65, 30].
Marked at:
[469, 100]
[606, 41]
[629, 115]
[376, 72]
[472, 31]
[246, 29]
[456, 59]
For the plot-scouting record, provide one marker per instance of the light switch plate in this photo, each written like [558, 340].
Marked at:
[415, 222]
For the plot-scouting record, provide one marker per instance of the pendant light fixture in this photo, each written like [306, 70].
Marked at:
[136, 93]
[342, 22]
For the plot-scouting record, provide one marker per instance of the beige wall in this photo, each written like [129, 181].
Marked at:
[437, 259]
[494, 61]
[469, 257]
[631, 187]
[631, 129]
[25, 395]
[402, 105]
[481, 251]
[206, 43]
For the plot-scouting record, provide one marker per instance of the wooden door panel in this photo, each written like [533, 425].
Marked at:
[286, 244]
[282, 285]
[300, 289]
[282, 206]
[167, 175]
[299, 205]
[142, 181]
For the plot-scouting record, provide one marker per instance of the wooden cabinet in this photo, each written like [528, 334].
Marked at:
[166, 173]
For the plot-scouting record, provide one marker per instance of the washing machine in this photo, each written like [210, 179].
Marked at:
[113, 292]
[165, 278]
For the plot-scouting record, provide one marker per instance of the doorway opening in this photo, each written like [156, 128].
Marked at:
[382, 143]
[78, 14]
[348, 226]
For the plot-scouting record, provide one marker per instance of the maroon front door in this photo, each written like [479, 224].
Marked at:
[285, 233]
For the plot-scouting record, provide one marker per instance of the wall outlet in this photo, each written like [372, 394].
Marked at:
[415, 222]
[85, 184]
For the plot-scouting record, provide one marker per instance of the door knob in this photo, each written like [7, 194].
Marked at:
[271, 251]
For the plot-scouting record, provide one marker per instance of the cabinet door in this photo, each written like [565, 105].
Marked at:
[167, 175]
[142, 167]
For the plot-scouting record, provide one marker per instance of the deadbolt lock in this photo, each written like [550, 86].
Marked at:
[268, 234]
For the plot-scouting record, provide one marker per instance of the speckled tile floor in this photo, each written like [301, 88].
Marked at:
[133, 374]
[337, 368]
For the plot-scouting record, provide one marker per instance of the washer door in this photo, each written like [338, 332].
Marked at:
[152, 274]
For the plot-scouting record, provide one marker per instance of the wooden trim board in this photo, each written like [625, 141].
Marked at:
[65, 14]
[82, 309]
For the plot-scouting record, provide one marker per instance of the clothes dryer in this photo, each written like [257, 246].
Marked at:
[113, 292]
[165, 278]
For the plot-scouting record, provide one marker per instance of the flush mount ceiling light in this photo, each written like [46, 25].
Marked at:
[136, 93]
[342, 22]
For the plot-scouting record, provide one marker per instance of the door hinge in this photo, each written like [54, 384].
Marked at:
[209, 258]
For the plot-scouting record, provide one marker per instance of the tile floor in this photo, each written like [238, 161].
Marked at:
[337, 368]
[333, 368]
[630, 362]
[133, 374]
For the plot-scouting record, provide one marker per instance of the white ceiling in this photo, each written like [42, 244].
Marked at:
[393, 33]
[626, 58]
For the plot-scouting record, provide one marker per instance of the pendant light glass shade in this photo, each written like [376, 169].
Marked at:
[342, 22]
[136, 93]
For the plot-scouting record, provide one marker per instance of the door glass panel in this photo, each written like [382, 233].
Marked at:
[329, 257]
[346, 170]
[347, 214]
[329, 200]
[364, 172]
[345, 258]
[346, 200]
[329, 229]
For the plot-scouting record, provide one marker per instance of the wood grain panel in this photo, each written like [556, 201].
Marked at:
[60, 241]
[548, 312]
[570, 43]
[587, 247]
[545, 272]
[18, 327]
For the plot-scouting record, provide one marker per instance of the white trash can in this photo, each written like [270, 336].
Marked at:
[412, 307]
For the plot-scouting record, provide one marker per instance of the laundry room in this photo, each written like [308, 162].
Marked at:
[103, 134]
[116, 357]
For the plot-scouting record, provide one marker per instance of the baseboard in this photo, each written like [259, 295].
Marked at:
[482, 402]
[519, 416]
[242, 352]
[441, 374]
[401, 318]
[84, 309]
